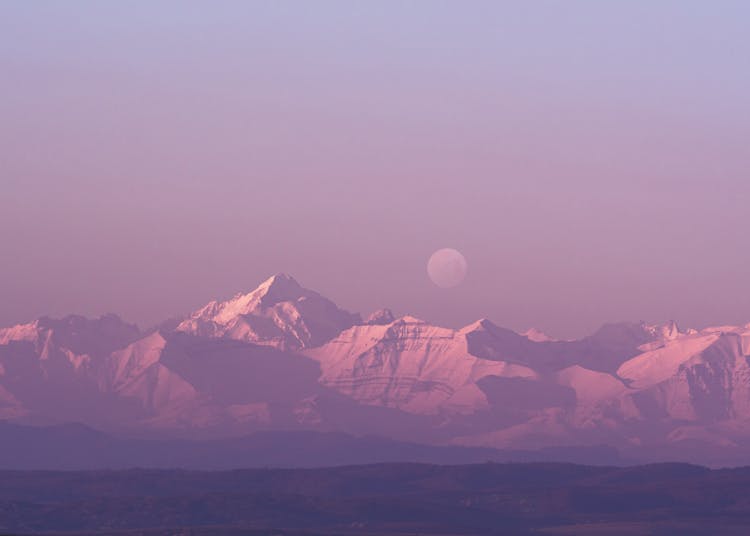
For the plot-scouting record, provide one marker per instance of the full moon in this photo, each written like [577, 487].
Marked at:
[447, 267]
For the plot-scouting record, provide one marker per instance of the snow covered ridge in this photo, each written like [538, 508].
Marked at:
[285, 357]
[278, 313]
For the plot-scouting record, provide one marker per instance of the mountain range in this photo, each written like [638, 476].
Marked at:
[285, 358]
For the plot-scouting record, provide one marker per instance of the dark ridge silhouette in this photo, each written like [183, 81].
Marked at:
[77, 447]
[382, 499]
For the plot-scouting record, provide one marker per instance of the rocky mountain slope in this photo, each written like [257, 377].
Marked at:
[284, 357]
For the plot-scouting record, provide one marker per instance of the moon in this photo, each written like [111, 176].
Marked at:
[447, 267]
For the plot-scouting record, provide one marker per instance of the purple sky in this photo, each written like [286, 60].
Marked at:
[590, 159]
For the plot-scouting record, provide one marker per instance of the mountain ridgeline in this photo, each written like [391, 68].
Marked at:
[285, 358]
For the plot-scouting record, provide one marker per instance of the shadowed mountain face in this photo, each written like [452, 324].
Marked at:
[603, 351]
[283, 357]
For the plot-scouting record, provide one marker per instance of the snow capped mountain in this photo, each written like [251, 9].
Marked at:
[47, 365]
[285, 357]
[536, 335]
[703, 377]
[380, 317]
[666, 331]
[278, 313]
[78, 335]
[410, 365]
[137, 372]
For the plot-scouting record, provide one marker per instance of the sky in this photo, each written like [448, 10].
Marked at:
[590, 159]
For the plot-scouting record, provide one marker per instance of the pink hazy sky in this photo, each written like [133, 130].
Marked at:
[590, 159]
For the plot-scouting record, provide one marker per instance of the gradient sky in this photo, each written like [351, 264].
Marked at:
[591, 159]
